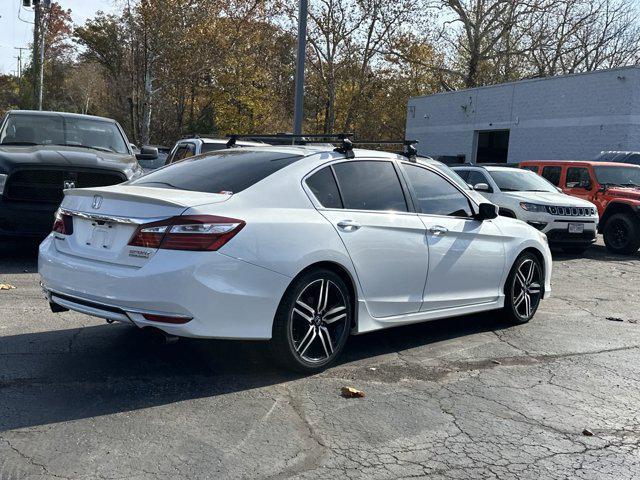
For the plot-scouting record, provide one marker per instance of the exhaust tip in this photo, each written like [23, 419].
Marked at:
[160, 338]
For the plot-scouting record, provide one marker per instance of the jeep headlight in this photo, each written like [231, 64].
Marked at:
[532, 207]
[3, 181]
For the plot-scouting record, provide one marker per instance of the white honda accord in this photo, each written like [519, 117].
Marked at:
[302, 246]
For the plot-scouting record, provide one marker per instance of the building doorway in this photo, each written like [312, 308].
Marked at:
[493, 146]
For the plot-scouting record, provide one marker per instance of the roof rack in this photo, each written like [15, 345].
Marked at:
[346, 145]
[409, 151]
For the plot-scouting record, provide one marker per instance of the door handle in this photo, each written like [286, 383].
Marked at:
[438, 230]
[348, 225]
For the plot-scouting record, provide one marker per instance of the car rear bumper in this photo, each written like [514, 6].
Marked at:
[224, 297]
[26, 219]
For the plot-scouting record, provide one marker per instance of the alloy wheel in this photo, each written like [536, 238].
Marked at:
[319, 320]
[527, 289]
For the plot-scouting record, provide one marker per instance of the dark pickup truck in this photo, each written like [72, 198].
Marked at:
[44, 153]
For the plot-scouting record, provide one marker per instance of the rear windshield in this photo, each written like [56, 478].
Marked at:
[230, 171]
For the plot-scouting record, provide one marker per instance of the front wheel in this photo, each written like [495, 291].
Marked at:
[523, 290]
[622, 234]
[312, 322]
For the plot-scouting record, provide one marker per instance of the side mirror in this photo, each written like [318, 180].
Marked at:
[559, 189]
[487, 211]
[482, 187]
[147, 153]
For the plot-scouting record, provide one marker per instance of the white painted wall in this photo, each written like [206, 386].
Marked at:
[570, 117]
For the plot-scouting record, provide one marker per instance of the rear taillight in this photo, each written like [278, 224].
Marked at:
[63, 223]
[194, 233]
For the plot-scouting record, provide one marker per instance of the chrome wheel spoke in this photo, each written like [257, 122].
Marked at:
[310, 311]
[303, 315]
[328, 337]
[323, 297]
[534, 288]
[335, 314]
[324, 343]
[527, 305]
[309, 340]
[519, 299]
[521, 279]
[531, 272]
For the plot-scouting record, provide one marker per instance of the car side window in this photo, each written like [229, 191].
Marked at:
[578, 177]
[324, 187]
[463, 174]
[552, 174]
[436, 196]
[370, 185]
[476, 177]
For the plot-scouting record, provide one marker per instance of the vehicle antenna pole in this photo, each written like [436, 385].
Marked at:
[300, 61]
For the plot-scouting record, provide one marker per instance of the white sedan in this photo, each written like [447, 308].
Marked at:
[302, 246]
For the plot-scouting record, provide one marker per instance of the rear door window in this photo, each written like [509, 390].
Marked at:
[552, 174]
[325, 189]
[578, 177]
[231, 171]
[370, 185]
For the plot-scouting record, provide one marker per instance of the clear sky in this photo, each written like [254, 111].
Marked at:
[14, 32]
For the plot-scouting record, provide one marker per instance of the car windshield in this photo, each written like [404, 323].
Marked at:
[521, 181]
[39, 129]
[625, 176]
[228, 171]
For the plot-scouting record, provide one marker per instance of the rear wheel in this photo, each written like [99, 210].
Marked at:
[523, 290]
[622, 234]
[313, 322]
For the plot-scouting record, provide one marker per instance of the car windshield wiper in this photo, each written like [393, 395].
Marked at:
[92, 147]
[20, 143]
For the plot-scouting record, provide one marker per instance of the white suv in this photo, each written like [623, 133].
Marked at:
[568, 222]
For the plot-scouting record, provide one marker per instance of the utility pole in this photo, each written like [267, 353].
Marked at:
[300, 61]
[40, 8]
[19, 58]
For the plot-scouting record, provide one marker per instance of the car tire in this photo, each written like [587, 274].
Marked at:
[622, 234]
[523, 289]
[574, 250]
[313, 322]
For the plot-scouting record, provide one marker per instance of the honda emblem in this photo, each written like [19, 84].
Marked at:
[97, 202]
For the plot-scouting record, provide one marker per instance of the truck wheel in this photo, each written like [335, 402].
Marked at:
[622, 234]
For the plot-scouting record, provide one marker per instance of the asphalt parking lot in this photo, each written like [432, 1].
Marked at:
[463, 398]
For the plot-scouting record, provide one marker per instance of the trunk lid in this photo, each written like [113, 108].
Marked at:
[105, 219]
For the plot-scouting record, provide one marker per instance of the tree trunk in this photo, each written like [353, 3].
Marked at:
[147, 102]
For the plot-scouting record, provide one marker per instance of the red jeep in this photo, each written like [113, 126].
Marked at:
[613, 187]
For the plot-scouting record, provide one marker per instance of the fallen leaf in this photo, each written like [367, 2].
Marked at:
[6, 286]
[615, 319]
[496, 362]
[587, 433]
[350, 392]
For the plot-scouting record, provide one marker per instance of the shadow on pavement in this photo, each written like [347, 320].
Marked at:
[16, 256]
[64, 375]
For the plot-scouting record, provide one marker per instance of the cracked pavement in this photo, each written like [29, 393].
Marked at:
[461, 398]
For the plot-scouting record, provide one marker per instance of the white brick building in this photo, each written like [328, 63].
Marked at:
[571, 117]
